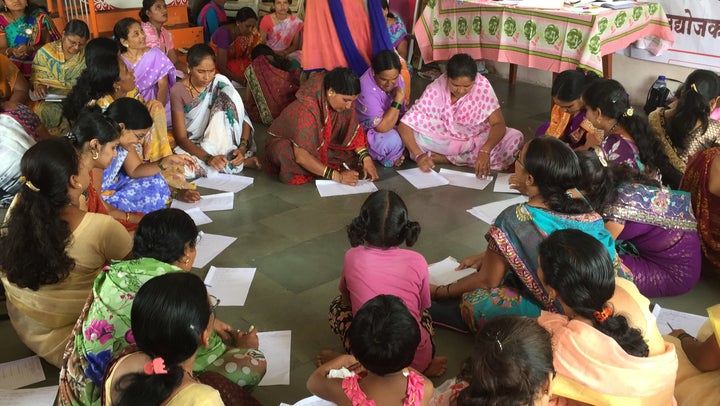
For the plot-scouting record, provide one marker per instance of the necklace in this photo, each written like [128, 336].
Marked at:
[197, 92]
[612, 129]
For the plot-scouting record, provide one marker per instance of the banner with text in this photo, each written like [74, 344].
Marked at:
[696, 26]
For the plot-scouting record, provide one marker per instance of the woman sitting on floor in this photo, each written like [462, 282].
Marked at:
[281, 30]
[702, 180]
[699, 363]
[380, 106]
[52, 250]
[55, 71]
[628, 139]
[172, 317]
[608, 350]
[211, 123]
[685, 128]
[24, 28]
[153, 14]
[233, 44]
[654, 228]
[164, 243]
[567, 118]
[318, 135]
[458, 120]
[131, 184]
[547, 171]
[511, 363]
[211, 17]
[272, 81]
[154, 72]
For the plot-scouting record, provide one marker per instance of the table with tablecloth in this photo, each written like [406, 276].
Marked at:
[552, 40]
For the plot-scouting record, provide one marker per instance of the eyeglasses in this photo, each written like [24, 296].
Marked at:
[214, 303]
[516, 156]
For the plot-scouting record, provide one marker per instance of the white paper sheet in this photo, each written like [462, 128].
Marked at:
[29, 397]
[230, 285]
[489, 212]
[443, 272]
[198, 216]
[209, 246]
[423, 180]
[465, 179]
[689, 322]
[225, 182]
[21, 372]
[216, 202]
[276, 347]
[331, 188]
[502, 183]
[311, 401]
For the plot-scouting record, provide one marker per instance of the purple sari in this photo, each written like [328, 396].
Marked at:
[153, 66]
[370, 108]
[659, 242]
[622, 151]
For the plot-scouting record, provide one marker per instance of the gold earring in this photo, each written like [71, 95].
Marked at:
[186, 260]
[95, 155]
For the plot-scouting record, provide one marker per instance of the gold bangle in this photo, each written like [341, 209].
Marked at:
[127, 216]
[160, 165]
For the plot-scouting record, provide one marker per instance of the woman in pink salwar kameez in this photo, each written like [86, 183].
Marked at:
[458, 120]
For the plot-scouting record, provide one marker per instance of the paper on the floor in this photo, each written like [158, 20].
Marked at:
[502, 183]
[209, 246]
[311, 401]
[465, 179]
[21, 372]
[423, 180]
[444, 273]
[332, 188]
[216, 202]
[230, 285]
[225, 182]
[689, 322]
[489, 212]
[30, 397]
[198, 216]
[276, 347]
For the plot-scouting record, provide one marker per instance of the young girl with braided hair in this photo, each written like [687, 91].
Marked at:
[607, 348]
[377, 265]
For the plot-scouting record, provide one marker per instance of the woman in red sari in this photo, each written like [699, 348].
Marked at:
[318, 134]
[233, 44]
[702, 180]
[272, 81]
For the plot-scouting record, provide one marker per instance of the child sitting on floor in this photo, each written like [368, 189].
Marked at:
[383, 338]
[376, 266]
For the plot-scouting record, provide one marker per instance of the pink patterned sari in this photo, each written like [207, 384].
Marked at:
[280, 36]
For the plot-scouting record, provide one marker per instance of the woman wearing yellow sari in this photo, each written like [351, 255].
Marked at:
[55, 71]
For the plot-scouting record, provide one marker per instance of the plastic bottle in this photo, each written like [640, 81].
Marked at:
[657, 95]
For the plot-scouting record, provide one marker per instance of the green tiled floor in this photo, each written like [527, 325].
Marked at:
[296, 239]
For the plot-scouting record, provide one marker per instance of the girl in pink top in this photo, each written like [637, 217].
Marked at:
[377, 266]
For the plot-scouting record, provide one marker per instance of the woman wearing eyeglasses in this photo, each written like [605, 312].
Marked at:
[164, 243]
[132, 183]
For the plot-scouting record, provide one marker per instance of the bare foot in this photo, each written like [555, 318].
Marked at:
[188, 196]
[399, 161]
[325, 356]
[437, 367]
[253, 162]
[439, 159]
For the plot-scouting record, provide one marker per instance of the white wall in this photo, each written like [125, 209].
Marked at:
[636, 75]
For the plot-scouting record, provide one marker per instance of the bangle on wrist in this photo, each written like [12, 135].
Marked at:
[482, 151]
[447, 290]
[328, 173]
[207, 159]
[419, 155]
[395, 105]
[685, 335]
[435, 292]
[7, 51]
[160, 165]
[127, 216]
[245, 142]
[175, 193]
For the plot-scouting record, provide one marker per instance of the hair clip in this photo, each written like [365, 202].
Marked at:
[29, 184]
[693, 87]
[156, 366]
[601, 156]
[71, 137]
[629, 112]
[603, 315]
